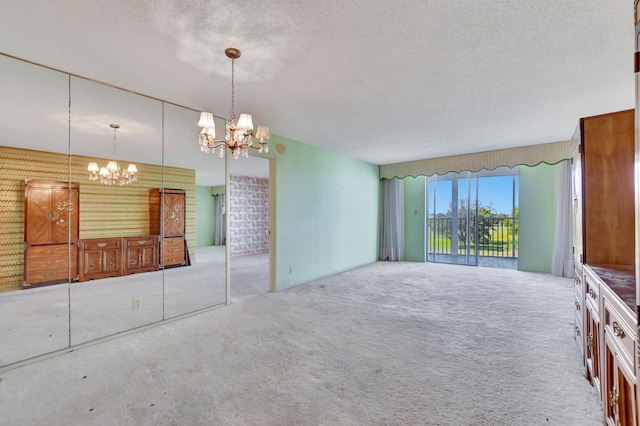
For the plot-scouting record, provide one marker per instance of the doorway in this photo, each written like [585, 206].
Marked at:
[248, 236]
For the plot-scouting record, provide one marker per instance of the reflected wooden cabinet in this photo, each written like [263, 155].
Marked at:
[100, 258]
[167, 211]
[51, 228]
[116, 256]
[140, 254]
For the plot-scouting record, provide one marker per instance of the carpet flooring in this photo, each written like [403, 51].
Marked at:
[385, 344]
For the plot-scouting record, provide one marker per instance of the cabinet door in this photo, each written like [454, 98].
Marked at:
[91, 262]
[592, 333]
[111, 261]
[63, 215]
[38, 216]
[133, 258]
[620, 391]
[173, 215]
[148, 257]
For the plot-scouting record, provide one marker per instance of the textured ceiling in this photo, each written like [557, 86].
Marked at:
[376, 80]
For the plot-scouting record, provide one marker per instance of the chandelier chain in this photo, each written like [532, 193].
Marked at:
[233, 87]
[114, 144]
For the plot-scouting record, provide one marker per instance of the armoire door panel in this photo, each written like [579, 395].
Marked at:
[38, 209]
[64, 201]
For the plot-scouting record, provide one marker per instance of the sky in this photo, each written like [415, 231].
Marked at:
[496, 191]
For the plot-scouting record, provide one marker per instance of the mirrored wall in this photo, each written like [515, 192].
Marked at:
[84, 253]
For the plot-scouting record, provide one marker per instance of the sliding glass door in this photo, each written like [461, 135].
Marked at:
[472, 218]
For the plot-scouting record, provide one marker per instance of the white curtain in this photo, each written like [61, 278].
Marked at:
[562, 258]
[219, 212]
[392, 223]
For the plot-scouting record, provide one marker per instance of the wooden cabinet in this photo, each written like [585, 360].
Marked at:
[51, 227]
[140, 254]
[167, 208]
[604, 255]
[100, 258]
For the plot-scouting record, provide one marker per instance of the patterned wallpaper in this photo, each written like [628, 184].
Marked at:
[248, 210]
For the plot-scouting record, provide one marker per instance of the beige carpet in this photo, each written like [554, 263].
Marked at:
[385, 344]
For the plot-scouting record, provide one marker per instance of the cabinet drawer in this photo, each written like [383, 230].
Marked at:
[592, 292]
[577, 282]
[173, 242]
[102, 243]
[45, 275]
[619, 324]
[577, 304]
[50, 251]
[140, 241]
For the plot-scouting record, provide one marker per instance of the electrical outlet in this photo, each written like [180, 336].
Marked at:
[137, 303]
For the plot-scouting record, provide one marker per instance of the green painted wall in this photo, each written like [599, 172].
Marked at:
[205, 220]
[414, 219]
[325, 210]
[537, 217]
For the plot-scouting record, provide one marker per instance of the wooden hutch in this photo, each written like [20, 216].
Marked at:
[51, 229]
[604, 255]
[167, 211]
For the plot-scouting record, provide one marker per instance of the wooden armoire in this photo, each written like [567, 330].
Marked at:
[604, 257]
[51, 228]
[168, 220]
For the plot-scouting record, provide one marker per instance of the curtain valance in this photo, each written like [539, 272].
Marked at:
[532, 155]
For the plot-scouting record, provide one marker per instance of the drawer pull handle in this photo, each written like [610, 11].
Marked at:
[577, 331]
[142, 242]
[618, 331]
[51, 274]
[590, 341]
[577, 306]
[102, 244]
[577, 280]
[170, 251]
[592, 294]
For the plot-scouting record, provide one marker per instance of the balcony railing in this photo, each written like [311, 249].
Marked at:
[493, 236]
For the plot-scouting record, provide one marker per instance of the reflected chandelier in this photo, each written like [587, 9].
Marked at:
[111, 174]
[239, 134]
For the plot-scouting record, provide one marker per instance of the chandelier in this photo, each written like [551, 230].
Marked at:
[111, 174]
[239, 134]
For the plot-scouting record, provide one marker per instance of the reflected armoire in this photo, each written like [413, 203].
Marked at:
[168, 220]
[51, 229]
